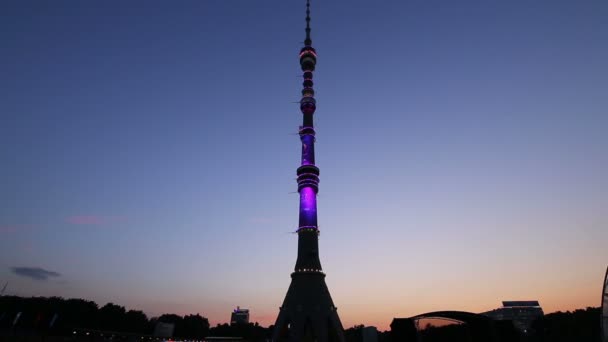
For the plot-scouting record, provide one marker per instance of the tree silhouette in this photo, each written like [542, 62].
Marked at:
[136, 321]
[195, 326]
[112, 317]
[58, 316]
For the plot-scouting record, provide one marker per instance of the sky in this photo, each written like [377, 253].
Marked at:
[148, 152]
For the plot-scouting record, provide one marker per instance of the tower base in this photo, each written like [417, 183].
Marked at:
[308, 312]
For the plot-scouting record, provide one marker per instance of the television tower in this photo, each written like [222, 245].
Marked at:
[308, 312]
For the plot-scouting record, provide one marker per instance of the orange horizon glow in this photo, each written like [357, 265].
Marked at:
[382, 317]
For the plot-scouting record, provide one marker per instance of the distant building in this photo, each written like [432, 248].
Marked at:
[239, 316]
[163, 329]
[369, 334]
[521, 313]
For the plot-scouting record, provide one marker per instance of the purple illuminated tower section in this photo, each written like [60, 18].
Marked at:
[308, 312]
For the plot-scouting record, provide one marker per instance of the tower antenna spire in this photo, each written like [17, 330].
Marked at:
[308, 41]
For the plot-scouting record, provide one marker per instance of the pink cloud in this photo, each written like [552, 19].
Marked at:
[27, 247]
[12, 228]
[85, 219]
[8, 229]
[94, 219]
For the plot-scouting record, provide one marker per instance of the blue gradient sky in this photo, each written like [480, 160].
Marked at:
[148, 153]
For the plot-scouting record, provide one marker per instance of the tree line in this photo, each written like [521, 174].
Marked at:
[58, 316]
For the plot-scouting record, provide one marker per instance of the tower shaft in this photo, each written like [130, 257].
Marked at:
[308, 312]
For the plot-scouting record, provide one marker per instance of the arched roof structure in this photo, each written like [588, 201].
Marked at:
[460, 316]
[481, 328]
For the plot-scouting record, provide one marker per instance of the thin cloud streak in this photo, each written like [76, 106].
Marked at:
[35, 273]
[93, 220]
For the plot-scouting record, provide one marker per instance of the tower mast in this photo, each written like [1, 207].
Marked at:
[308, 312]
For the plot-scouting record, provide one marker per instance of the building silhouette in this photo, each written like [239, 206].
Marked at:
[308, 312]
[369, 334]
[521, 313]
[239, 316]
